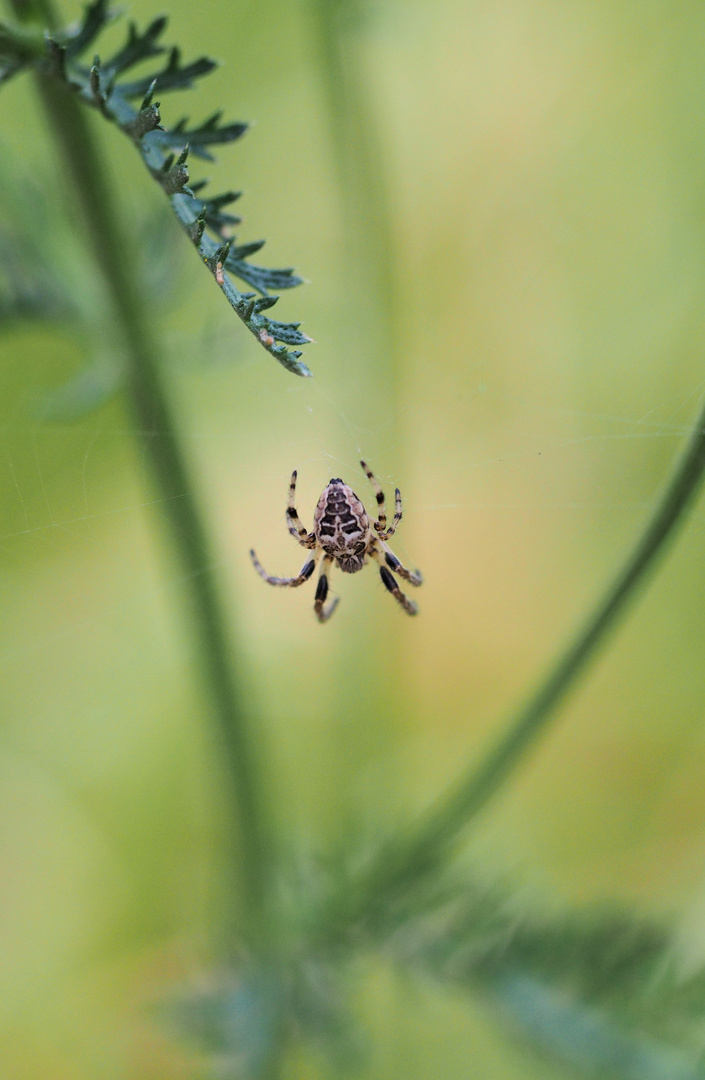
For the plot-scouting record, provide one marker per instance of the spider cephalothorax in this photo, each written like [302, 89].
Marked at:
[343, 532]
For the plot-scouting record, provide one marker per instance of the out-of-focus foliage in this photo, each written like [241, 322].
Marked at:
[46, 279]
[526, 375]
[58, 58]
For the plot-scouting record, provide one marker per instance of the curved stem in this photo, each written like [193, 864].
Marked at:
[153, 414]
[404, 861]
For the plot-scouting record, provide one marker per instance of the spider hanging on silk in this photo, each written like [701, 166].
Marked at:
[343, 532]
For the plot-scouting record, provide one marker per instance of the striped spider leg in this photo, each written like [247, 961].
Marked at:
[307, 540]
[389, 581]
[414, 577]
[293, 521]
[323, 613]
[286, 582]
[380, 525]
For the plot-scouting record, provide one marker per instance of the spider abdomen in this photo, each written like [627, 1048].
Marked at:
[341, 526]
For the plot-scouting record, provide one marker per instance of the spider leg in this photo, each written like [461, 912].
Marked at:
[293, 521]
[289, 582]
[385, 534]
[322, 612]
[391, 584]
[414, 577]
[380, 525]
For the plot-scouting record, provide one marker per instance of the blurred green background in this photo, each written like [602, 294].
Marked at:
[500, 208]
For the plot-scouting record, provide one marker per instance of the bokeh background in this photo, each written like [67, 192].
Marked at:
[499, 206]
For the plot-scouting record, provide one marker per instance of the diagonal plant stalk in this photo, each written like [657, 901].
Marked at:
[152, 412]
[404, 861]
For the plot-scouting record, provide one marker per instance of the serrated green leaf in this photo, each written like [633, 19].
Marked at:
[265, 302]
[103, 89]
[96, 16]
[288, 332]
[261, 278]
[198, 138]
[172, 77]
[243, 251]
[214, 216]
[137, 47]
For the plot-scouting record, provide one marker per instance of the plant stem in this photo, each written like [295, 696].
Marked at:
[361, 164]
[153, 415]
[403, 862]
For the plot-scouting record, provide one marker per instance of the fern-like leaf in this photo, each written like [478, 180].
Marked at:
[96, 16]
[598, 988]
[173, 76]
[137, 47]
[212, 211]
[165, 152]
[198, 138]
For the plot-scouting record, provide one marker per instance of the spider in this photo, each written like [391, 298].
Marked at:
[346, 536]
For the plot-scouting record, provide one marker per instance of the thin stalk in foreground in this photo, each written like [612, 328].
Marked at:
[152, 412]
[405, 860]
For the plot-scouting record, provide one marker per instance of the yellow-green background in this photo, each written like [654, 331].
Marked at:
[518, 346]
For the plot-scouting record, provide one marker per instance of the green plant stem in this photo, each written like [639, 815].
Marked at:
[361, 163]
[153, 415]
[404, 862]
